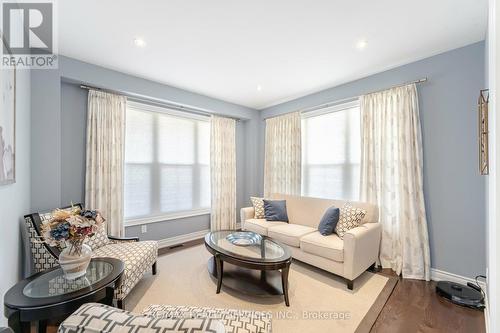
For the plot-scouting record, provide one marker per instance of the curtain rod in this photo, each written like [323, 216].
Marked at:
[332, 103]
[170, 105]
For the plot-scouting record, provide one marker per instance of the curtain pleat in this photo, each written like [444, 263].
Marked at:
[105, 156]
[283, 161]
[392, 178]
[223, 173]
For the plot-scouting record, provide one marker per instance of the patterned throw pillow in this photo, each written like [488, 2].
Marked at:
[350, 218]
[258, 205]
[100, 239]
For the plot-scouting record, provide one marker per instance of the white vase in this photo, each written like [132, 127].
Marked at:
[73, 262]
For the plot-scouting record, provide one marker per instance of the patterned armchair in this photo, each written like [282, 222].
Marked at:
[138, 256]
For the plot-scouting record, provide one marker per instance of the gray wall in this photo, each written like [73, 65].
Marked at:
[454, 191]
[73, 143]
[59, 123]
[15, 198]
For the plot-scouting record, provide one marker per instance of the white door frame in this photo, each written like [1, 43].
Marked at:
[493, 187]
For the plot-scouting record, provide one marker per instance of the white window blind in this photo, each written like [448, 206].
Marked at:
[331, 142]
[167, 158]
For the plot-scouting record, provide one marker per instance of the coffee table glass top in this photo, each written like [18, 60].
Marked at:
[54, 283]
[247, 244]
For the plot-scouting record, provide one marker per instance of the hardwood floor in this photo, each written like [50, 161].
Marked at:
[414, 306]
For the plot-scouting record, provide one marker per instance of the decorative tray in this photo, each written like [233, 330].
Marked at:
[244, 238]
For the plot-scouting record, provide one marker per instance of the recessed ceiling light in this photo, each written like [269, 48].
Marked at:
[139, 42]
[361, 44]
[259, 87]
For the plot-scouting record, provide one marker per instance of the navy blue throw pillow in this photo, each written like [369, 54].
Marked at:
[329, 221]
[275, 210]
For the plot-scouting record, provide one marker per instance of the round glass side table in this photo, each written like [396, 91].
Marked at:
[49, 294]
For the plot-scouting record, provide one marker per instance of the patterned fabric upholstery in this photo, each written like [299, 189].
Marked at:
[235, 321]
[350, 218]
[258, 205]
[138, 258]
[42, 258]
[100, 239]
[99, 318]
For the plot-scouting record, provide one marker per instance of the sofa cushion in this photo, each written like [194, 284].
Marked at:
[289, 234]
[330, 247]
[261, 226]
[308, 211]
[275, 210]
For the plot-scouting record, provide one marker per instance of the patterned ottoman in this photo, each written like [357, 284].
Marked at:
[99, 318]
[235, 321]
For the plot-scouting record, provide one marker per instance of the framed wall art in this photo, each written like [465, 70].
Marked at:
[483, 131]
[7, 124]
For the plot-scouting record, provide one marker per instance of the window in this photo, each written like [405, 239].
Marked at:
[167, 157]
[331, 144]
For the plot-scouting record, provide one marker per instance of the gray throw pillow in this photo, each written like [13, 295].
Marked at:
[329, 221]
[275, 210]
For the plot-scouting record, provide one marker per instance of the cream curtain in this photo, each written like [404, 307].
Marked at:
[105, 155]
[391, 177]
[282, 168]
[223, 173]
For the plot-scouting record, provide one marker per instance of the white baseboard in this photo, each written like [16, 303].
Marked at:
[167, 242]
[176, 240]
[439, 275]
[486, 313]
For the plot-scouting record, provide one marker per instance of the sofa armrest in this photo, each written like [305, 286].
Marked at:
[361, 249]
[246, 213]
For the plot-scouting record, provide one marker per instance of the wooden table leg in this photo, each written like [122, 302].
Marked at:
[284, 282]
[110, 294]
[220, 267]
[15, 323]
[263, 275]
[41, 326]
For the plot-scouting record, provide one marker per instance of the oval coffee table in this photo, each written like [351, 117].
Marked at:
[49, 294]
[253, 267]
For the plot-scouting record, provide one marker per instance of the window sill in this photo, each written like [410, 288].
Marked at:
[166, 217]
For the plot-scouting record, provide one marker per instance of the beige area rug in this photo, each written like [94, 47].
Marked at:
[319, 301]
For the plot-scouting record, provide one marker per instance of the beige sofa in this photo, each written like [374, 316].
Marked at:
[347, 258]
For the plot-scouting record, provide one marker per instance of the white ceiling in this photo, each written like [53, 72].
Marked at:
[226, 48]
